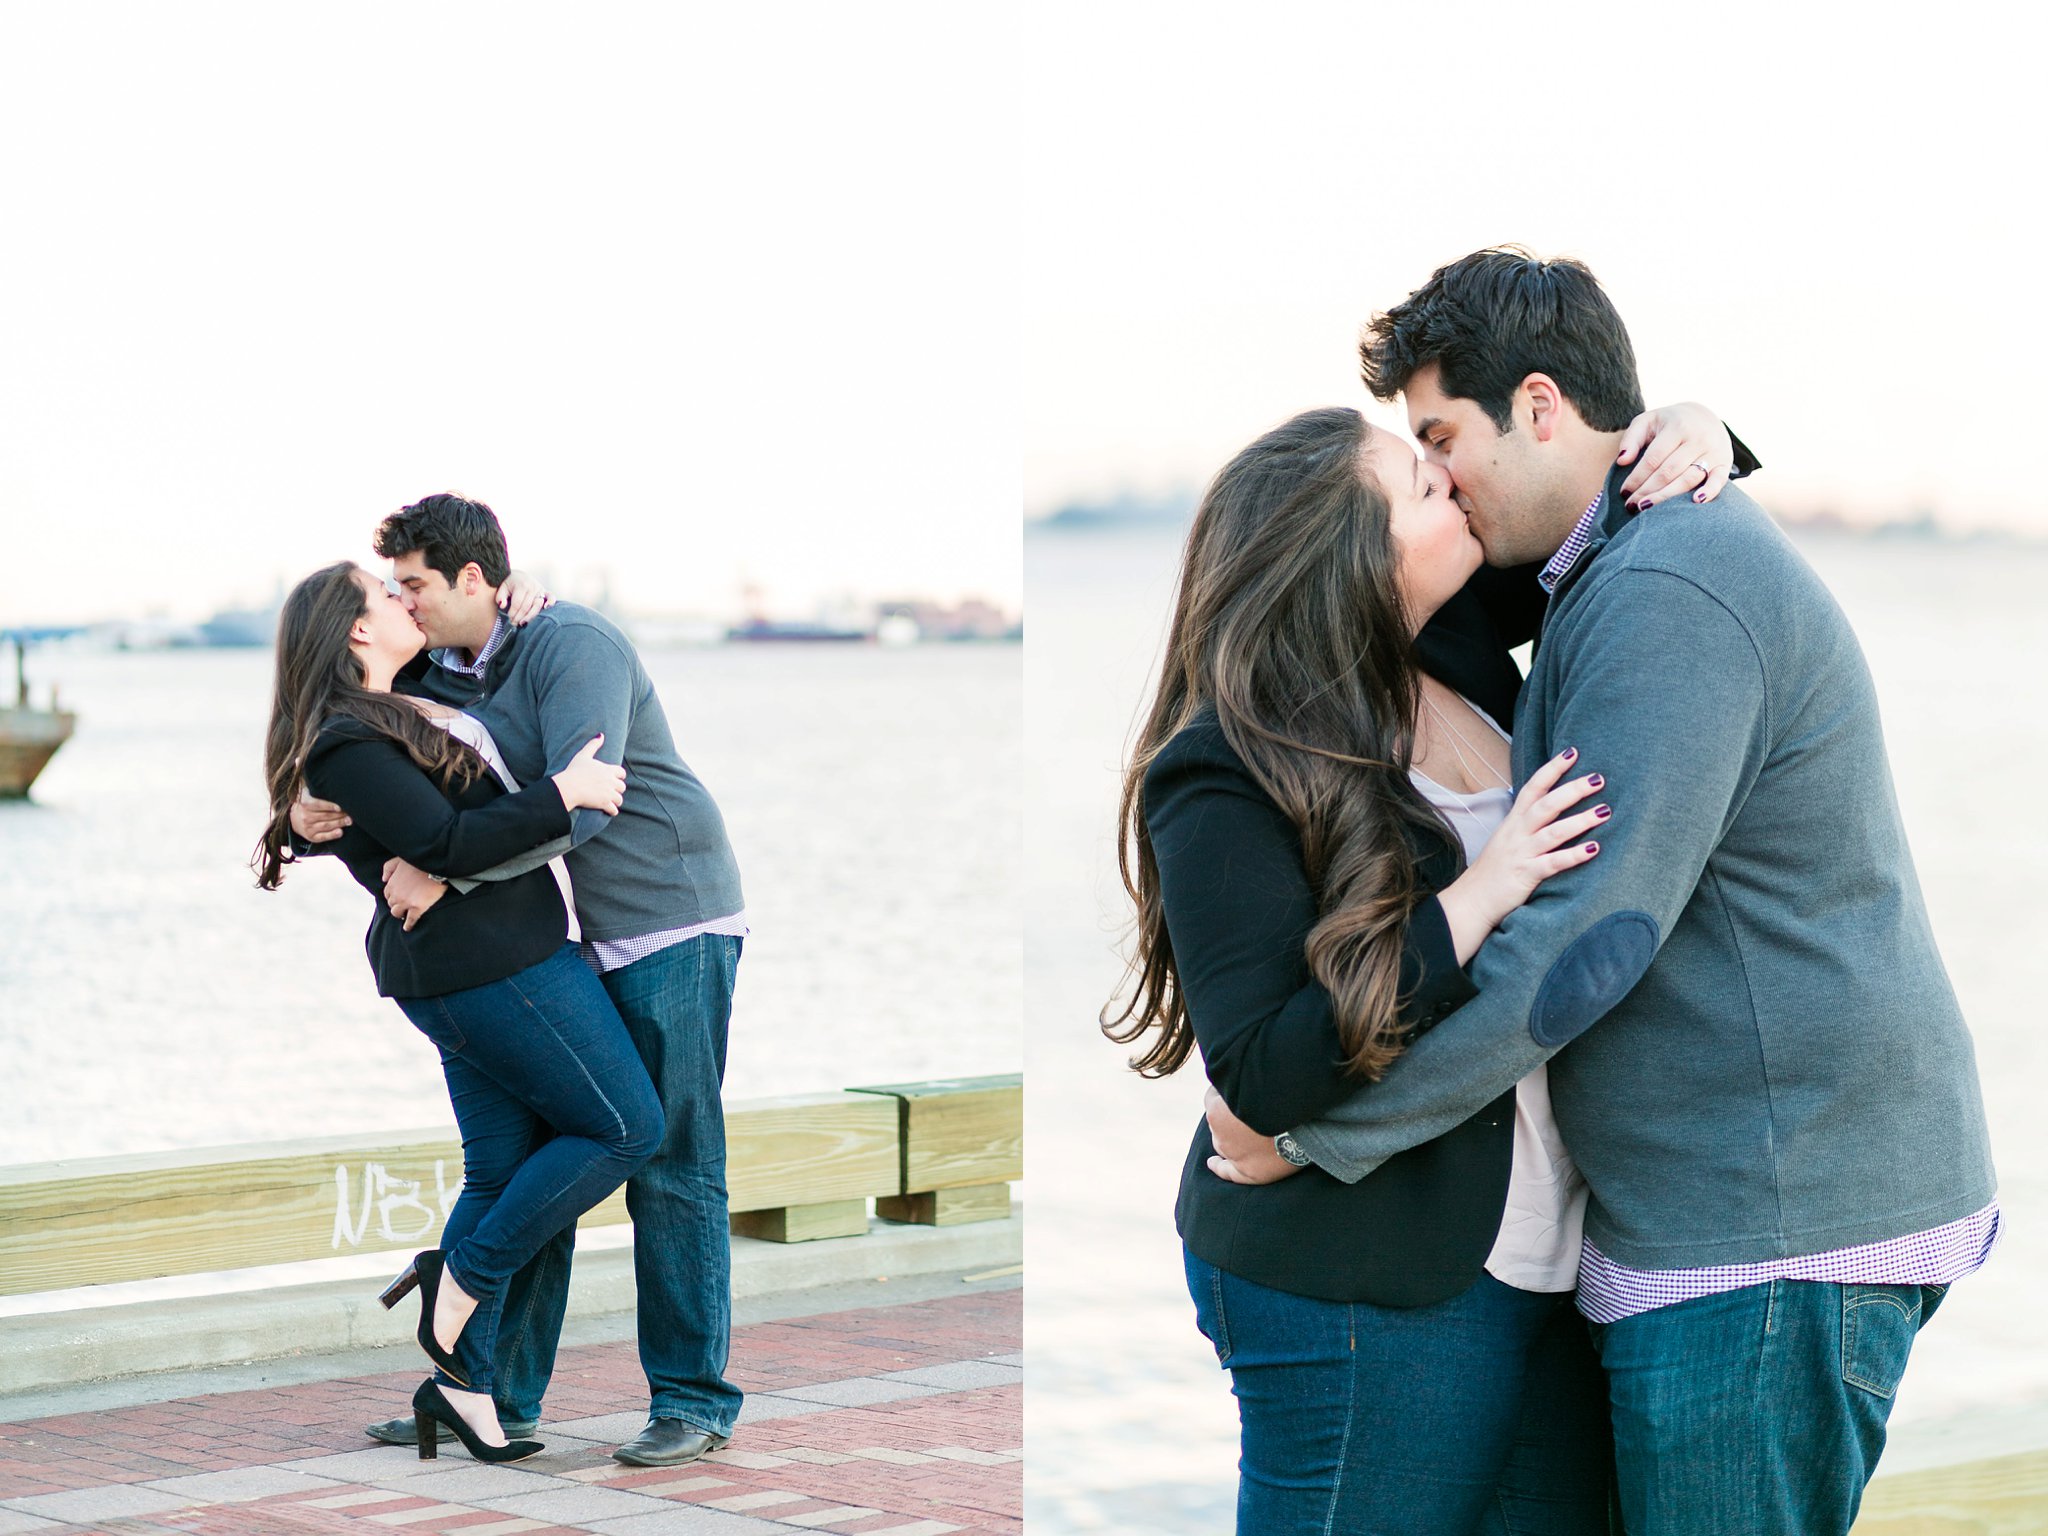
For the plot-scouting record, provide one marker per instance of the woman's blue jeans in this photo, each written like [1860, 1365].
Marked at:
[1482, 1415]
[555, 1111]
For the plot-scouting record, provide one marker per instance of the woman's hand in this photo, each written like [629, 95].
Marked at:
[587, 784]
[1243, 1155]
[1670, 447]
[1536, 841]
[522, 597]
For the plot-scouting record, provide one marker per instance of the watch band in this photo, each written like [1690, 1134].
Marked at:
[1290, 1150]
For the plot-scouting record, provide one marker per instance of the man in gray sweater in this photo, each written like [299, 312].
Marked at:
[658, 901]
[1759, 1064]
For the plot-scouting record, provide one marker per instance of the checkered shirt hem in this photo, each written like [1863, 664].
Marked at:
[1609, 1292]
[603, 955]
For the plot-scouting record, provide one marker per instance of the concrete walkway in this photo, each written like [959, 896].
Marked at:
[891, 1409]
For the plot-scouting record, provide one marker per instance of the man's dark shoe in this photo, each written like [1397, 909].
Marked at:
[401, 1431]
[667, 1443]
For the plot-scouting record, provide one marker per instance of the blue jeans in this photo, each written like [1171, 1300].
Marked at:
[1760, 1410]
[1480, 1415]
[555, 1111]
[677, 1004]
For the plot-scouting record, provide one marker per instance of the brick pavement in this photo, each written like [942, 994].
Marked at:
[903, 1420]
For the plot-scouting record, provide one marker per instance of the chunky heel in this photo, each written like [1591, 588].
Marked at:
[402, 1287]
[428, 1405]
[428, 1433]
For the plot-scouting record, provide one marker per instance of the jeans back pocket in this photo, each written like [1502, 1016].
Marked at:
[1879, 1324]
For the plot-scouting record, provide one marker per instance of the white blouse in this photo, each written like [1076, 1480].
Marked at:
[1537, 1248]
[467, 728]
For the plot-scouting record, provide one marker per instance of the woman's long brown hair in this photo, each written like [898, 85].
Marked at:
[319, 677]
[1289, 623]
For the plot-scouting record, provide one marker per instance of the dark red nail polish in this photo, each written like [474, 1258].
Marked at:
[1603, 812]
[1570, 753]
[1592, 847]
[1700, 497]
[1595, 781]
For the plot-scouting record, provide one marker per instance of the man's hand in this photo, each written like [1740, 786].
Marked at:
[1244, 1156]
[522, 597]
[408, 892]
[317, 821]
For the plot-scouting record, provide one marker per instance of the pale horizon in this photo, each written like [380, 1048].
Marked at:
[1852, 286]
[664, 286]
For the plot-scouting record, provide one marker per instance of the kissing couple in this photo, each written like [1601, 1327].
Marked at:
[1592, 1125]
[446, 740]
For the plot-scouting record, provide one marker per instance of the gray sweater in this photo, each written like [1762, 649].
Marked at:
[663, 862]
[1758, 1053]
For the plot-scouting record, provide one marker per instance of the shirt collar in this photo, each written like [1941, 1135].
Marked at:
[1573, 546]
[450, 657]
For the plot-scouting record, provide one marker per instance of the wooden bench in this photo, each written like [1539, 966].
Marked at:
[798, 1168]
[962, 1142]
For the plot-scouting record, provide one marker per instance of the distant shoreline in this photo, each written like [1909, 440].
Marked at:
[1923, 529]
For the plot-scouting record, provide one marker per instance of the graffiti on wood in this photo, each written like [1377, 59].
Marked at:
[392, 1209]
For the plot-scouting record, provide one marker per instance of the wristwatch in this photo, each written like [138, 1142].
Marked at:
[1290, 1150]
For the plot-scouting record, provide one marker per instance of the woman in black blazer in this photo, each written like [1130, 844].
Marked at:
[555, 1107]
[1305, 906]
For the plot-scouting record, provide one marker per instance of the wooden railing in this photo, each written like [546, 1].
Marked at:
[1999, 1496]
[797, 1168]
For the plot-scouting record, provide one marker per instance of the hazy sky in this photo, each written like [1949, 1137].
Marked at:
[1826, 222]
[698, 293]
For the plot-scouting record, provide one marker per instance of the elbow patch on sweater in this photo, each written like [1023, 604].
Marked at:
[1592, 976]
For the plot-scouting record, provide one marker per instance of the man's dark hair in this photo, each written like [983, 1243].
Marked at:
[1491, 319]
[448, 531]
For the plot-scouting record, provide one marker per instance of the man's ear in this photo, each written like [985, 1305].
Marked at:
[472, 576]
[1541, 404]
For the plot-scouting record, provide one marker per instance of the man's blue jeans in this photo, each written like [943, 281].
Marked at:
[1760, 1410]
[1477, 1416]
[677, 1005]
[555, 1111]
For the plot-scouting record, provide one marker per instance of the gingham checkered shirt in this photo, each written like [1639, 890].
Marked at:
[451, 657]
[1608, 1291]
[1573, 546]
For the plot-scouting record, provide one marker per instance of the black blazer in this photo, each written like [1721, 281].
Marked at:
[1238, 911]
[496, 930]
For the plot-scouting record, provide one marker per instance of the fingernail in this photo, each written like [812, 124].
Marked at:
[1592, 847]
[1699, 496]
[1603, 811]
[1570, 753]
[1594, 781]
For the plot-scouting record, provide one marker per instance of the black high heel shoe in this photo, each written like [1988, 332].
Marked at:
[427, 1272]
[430, 1404]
